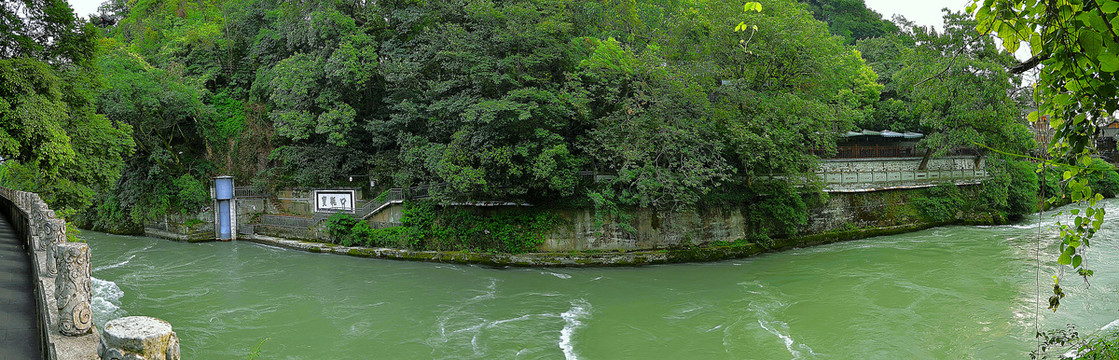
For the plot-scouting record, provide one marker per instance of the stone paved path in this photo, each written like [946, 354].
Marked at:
[19, 332]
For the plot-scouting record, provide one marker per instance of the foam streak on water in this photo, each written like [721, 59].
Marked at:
[790, 344]
[1111, 325]
[573, 317]
[114, 266]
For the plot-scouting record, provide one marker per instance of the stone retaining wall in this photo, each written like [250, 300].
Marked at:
[659, 237]
[579, 230]
[589, 258]
[180, 232]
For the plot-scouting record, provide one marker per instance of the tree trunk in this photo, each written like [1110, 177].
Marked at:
[925, 161]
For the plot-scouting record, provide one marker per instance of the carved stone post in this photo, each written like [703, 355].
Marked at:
[34, 228]
[40, 226]
[73, 288]
[36, 201]
[138, 337]
[56, 236]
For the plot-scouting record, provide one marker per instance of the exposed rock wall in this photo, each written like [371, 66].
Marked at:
[649, 229]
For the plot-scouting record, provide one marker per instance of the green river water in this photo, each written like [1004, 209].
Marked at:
[959, 292]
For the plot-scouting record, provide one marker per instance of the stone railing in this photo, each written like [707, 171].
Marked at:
[902, 164]
[67, 330]
[860, 181]
[61, 277]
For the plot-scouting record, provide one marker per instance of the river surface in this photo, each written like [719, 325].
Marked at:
[959, 292]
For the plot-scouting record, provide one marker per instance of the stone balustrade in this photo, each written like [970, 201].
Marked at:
[862, 175]
[62, 274]
[947, 163]
[138, 337]
[72, 289]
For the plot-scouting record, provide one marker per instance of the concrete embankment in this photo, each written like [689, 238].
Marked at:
[588, 258]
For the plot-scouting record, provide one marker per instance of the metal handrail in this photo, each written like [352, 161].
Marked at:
[248, 192]
[390, 196]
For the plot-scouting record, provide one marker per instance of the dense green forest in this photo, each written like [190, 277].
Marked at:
[125, 117]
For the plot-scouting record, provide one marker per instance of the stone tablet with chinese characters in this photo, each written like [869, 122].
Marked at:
[333, 200]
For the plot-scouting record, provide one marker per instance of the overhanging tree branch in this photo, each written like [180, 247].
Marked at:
[1028, 65]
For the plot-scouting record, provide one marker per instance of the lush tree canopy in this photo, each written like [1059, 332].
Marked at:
[507, 100]
[50, 135]
[671, 101]
[952, 85]
[851, 19]
[1075, 48]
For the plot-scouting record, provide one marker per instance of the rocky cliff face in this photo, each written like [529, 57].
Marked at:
[649, 229]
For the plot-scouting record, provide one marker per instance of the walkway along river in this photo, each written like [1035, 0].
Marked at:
[954, 292]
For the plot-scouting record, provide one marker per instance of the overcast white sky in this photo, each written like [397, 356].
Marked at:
[85, 7]
[921, 12]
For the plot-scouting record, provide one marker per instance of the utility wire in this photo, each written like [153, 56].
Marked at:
[1037, 262]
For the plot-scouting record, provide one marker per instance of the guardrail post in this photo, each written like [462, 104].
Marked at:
[56, 236]
[72, 289]
[139, 337]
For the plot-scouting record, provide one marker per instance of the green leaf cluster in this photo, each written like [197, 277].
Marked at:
[1076, 45]
[497, 100]
[51, 140]
[426, 226]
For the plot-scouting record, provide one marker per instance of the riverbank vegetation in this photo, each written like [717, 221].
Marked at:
[670, 105]
[426, 226]
[511, 101]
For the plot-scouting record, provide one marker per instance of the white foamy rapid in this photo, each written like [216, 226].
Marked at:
[106, 300]
[580, 309]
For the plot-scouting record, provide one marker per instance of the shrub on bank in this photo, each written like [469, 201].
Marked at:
[1012, 189]
[1104, 180]
[1067, 343]
[340, 227]
[426, 227]
[940, 203]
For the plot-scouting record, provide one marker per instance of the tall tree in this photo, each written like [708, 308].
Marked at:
[951, 85]
[55, 143]
[851, 19]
